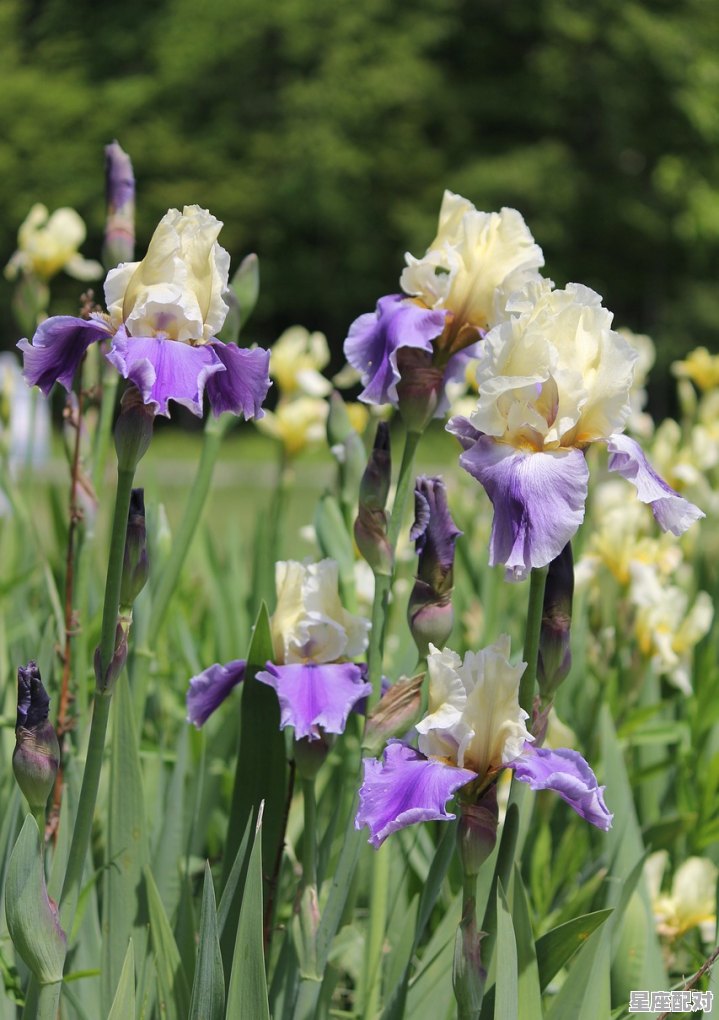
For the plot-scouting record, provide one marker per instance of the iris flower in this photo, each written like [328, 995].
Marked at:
[163, 317]
[474, 730]
[553, 378]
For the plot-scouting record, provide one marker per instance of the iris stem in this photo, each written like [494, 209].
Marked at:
[309, 837]
[375, 937]
[537, 582]
[101, 706]
[48, 1001]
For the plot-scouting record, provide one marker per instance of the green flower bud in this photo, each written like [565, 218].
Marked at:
[36, 757]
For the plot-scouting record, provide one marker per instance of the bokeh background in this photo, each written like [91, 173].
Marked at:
[323, 135]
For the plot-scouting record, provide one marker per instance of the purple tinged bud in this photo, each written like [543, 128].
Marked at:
[477, 832]
[435, 534]
[135, 565]
[36, 757]
[468, 975]
[555, 656]
[105, 681]
[120, 194]
[420, 389]
[133, 429]
[370, 527]
[310, 755]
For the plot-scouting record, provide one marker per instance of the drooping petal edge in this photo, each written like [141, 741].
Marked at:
[209, 689]
[405, 788]
[243, 387]
[315, 695]
[57, 349]
[569, 775]
[671, 511]
[538, 500]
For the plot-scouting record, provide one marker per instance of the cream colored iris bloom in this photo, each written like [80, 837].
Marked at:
[296, 423]
[667, 628]
[48, 244]
[476, 260]
[474, 718]
[701, 367]
[296, 361]
[176, 291]
[310, 624]
[686, 461]
[555, 375]
[692, 900]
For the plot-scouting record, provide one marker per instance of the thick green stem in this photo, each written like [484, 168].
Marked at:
[48, 1001]
[101, 707]
[110, 380]
[215, 430]
[309, 837]
[375, 937]
[383, 582]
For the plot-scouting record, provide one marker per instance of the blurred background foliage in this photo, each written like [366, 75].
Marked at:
[323, 135]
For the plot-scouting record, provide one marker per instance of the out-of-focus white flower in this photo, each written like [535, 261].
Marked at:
[296, 361]
[667, 628]
[296, 423]
[176, 291]
[24, 417]
[48, 244]
[639, 422]
[476, 260]
[474, 718]
[692, 900]
[310, 624]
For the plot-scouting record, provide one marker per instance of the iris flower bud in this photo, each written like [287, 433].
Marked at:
[135, 566]
[371, 524]
[555, 655]
[434, 533]
[36, 757]
[477, 831]
[133, 429]
[120, 194]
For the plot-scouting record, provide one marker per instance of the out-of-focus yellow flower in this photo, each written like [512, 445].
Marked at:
[667, 628]
[296, 361]
[692, 900]
[701, 367]
[296, 423]
[685, 461]
[47, 244]
[358, 415]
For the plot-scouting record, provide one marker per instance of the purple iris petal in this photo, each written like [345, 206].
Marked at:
[464, 430]
[243, 387]
[671, 511]
[313, 695]
[374, 339]
[57, 350]
[165, 370]
[433, 532]
[404, 788]
[209, 689]
[568, 774]
[538, 501]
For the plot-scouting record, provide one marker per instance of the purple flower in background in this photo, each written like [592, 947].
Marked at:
[475, 728]
[120, 196]
[209, 689]
[412, 346]
[553, 378]
[164, 314]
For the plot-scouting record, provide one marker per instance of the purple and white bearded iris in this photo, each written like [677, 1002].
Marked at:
[475, 728]
[164, 314]
[452, 295]
[313, 637]
[553, 378]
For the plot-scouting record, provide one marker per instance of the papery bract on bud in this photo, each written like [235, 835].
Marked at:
[163, 316]
[135, 566]
[49, 243]
[36, 757]
[371, 524]
[555, 657]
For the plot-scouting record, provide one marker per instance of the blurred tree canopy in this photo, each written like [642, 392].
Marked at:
[323, 135]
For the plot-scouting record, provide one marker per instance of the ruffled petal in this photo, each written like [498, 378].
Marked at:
[58, 348]
[671, 511]
[313, 695]
[404, 788]
[209, 689]
[165, 370]
[538, 501]
[242, 388]
[463, 429]
[568, 774]
[374, 339]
